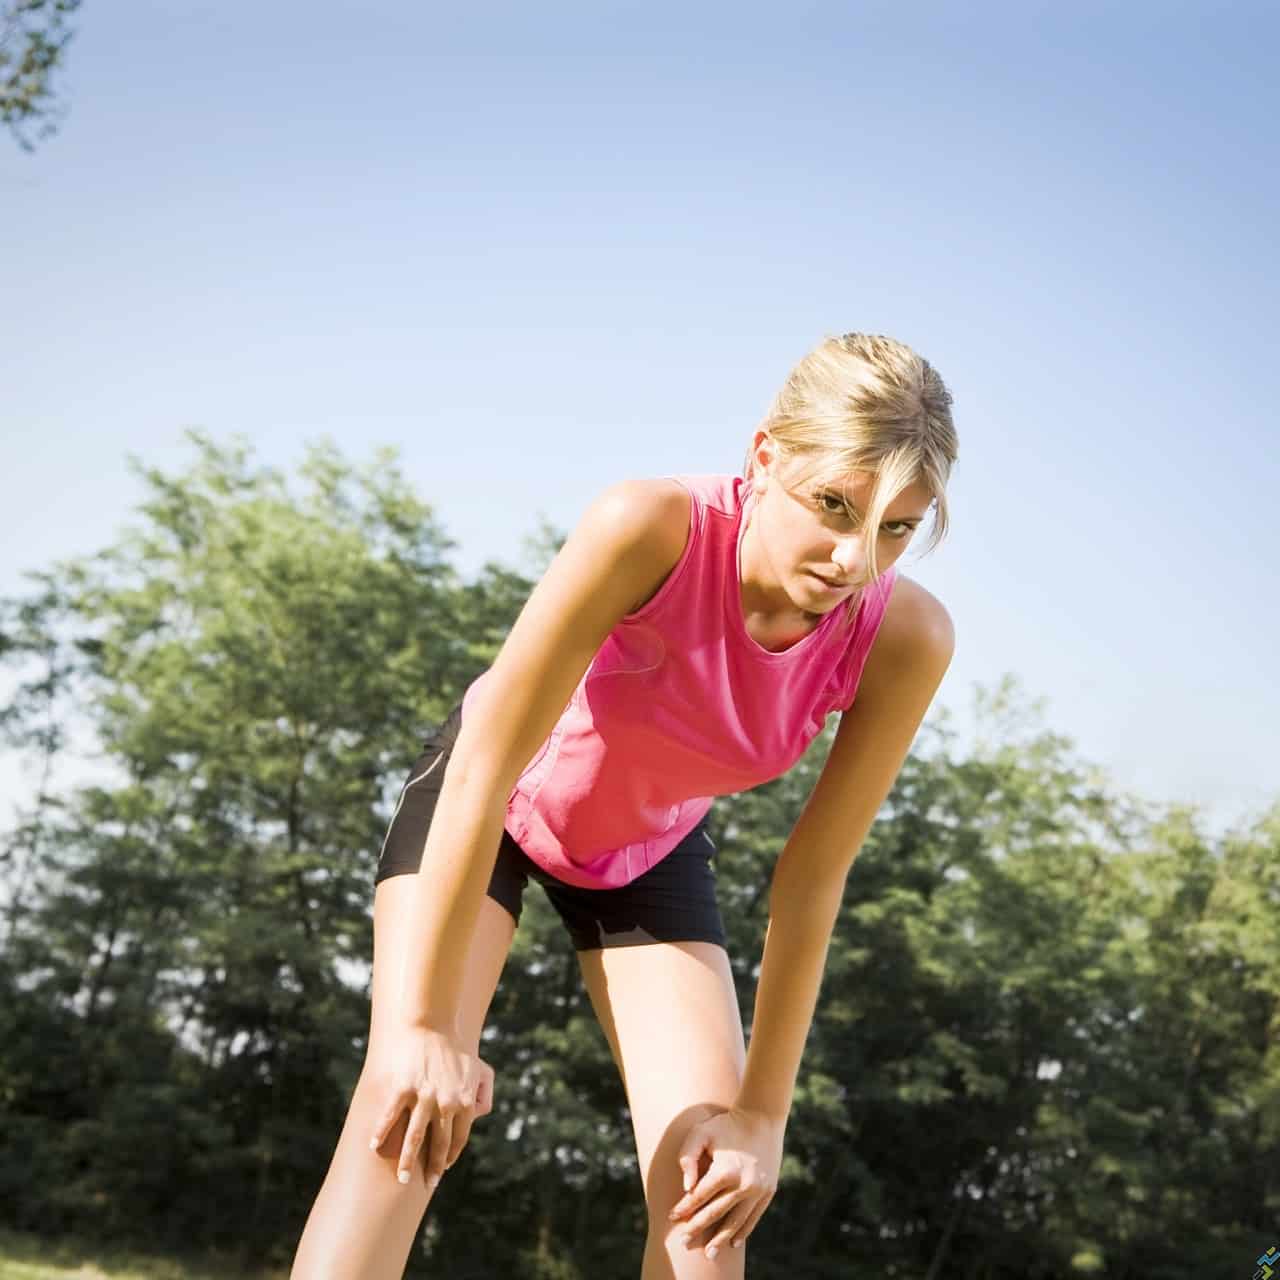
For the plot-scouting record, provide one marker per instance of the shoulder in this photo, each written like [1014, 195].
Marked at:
[656, 510]
[916, 635]
[650, 518]
[616, 553]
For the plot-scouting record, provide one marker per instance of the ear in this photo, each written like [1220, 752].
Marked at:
[763, 456]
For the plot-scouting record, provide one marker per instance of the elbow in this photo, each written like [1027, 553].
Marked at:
[798, 894]
[476, 774]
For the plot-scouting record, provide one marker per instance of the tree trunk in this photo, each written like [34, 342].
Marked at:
[944, 1245]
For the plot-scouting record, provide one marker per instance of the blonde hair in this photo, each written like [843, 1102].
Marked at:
[864, 402]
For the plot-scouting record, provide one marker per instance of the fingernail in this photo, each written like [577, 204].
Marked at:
[686, 1238]
[433, 1182]
[403, 1175]
[373, 1144]
[737, 1244]
[711, 1251]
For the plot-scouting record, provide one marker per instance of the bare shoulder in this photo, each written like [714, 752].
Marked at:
[653, 516]
[620, 552]
[916, 634]
[658, 507]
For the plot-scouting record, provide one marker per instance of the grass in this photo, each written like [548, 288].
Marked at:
[28, 1257]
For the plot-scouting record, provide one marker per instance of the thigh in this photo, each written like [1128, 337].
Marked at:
[670, 1014]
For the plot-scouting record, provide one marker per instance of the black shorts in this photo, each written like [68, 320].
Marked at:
[674, 901]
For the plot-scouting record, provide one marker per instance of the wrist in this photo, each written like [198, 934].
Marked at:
[766, 1114]
[423, 1022]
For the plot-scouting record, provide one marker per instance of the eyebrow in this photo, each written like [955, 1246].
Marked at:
[914, 521]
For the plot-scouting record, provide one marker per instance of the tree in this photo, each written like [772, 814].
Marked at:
[33, 39]
[1046, 1043]
[257, 667]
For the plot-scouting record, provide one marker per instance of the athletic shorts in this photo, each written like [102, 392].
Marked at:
[674, 901]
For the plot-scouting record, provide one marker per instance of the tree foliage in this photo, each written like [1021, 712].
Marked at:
[33, 39]
[1046, 1044]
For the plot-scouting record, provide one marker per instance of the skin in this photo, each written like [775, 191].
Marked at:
[710, 1136]
[729, 1163]
[797, 531]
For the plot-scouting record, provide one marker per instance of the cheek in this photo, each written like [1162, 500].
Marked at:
[891, 548]
[795, 543]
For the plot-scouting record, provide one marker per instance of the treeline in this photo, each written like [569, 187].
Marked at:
[1047, 1043]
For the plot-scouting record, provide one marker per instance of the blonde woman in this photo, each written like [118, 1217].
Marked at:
[688, 641]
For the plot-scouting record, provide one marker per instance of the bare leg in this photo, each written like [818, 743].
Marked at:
[363, 1222]
[671, 1017]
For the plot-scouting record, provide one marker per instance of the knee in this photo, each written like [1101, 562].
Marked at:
[664, 1178]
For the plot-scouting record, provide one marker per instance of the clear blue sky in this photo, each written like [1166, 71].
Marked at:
[543, 248]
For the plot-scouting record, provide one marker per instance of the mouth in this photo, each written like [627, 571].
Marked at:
[830, 585]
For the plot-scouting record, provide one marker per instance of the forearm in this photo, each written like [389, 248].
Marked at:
[457, 864]
[801, 919]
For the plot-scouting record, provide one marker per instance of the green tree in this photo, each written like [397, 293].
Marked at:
[1046, 1043]
[256, 667]
[33, 40]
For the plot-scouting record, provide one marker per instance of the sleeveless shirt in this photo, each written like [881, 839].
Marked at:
[680, 705]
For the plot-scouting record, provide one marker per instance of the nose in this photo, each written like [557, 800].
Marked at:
[849, 558]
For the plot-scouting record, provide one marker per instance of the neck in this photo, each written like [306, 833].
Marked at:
[764, 600]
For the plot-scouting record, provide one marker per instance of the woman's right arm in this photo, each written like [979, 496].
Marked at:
[622, 550]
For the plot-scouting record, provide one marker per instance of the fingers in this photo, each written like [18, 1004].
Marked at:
[691, 1154]
[484, 1091]
[386, 1122]
[441, 1113]
[415, 1135]
[726, 1213]
[714, 1182]
[435, 1164]
[711, 1213]
[462, 1122]
[435, 1138]
[738, 1224]
[742, 1232]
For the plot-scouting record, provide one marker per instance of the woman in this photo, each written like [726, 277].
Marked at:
[688, 641]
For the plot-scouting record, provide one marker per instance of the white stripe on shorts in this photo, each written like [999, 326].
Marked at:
[403, 792]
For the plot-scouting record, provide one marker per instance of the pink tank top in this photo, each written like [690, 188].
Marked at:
[680, 705]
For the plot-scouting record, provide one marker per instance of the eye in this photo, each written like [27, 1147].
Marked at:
[833, 505]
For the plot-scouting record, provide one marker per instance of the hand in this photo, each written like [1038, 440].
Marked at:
[443, 1087]
[745, 1152]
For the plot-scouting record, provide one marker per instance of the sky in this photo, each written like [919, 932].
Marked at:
[540, 249]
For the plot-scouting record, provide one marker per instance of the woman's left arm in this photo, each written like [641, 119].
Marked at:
[906, 664]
